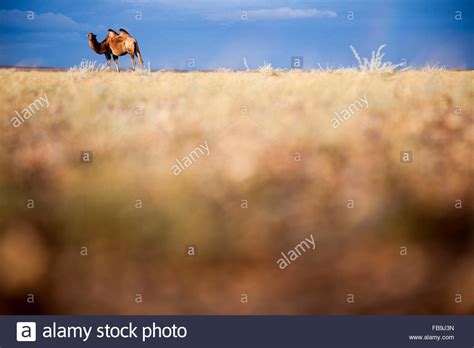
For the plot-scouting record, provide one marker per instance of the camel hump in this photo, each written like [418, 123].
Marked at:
[111, 33]
[123, 32]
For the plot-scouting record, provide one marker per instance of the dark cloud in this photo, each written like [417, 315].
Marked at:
[16, 20]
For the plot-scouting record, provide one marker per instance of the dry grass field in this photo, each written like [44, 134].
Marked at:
[110, 235]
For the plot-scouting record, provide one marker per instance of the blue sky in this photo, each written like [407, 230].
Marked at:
[215, 33]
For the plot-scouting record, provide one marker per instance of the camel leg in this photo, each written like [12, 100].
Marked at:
[107, 56]
[116, 63]
[133, 61]
[139, 56]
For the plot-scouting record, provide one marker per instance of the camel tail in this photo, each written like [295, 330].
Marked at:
[137, 50]
[138, 54]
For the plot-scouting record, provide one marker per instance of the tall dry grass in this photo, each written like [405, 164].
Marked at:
[255, 125]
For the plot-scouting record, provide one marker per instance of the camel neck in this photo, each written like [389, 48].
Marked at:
[99, 48]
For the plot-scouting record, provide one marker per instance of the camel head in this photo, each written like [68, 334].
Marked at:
[92, 37]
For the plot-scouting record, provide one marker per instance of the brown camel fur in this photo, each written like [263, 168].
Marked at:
[100, 48]
[122, 44]
[117, 45]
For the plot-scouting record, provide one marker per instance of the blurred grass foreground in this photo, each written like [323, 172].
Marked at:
[95, 217]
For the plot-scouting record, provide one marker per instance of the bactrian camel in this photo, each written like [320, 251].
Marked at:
[116, 45]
